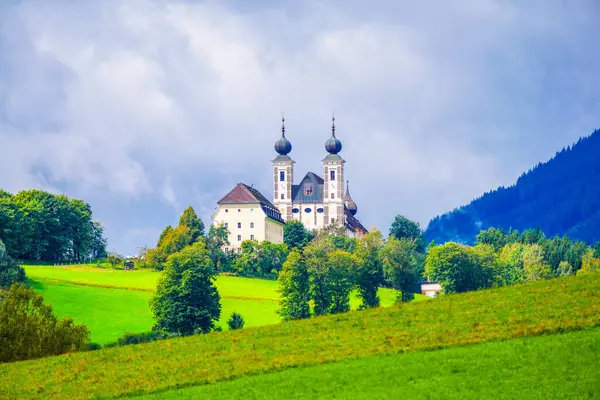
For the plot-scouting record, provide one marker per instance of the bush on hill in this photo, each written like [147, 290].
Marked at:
[29, 329]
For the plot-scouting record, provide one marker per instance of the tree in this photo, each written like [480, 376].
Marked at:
[171, 242]
[404, 228]
[400, 266]
[98, 241]
[331, 275]
[294, 288]
[341, 267]
[295, 235]
[534, 264]
[163, 235]
[216, 240]
[114, 259]
[494, 237]
[235, 321]
[195, 224]
[457, 268]
[29, 329]
[186, 299]
[369, 274]
[271, 257]
[589, 264]
[564, 269]
[10, 271]
[510, 259]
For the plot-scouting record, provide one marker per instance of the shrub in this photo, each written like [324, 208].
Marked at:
[235, 321]
[29, 329]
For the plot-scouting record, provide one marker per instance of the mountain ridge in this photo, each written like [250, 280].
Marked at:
[560, 196]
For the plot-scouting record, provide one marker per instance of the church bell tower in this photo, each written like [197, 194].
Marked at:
[283, 175]
[333, 170]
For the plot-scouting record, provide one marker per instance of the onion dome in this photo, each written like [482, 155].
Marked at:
[283, 146]
[333, 145]
[350, 204]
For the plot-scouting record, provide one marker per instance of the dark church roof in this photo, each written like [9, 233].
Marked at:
[244, 194]
[299, 191]
[352, 223]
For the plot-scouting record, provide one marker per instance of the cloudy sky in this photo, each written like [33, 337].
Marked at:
[143, 107]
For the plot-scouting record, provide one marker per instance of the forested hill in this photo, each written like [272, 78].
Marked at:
[561, 196]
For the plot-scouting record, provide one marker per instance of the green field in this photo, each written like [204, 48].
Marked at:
[537, 308]
[92, 296]
[542, 367]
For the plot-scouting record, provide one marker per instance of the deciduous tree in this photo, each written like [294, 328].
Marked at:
[400, 266]
[186, 300]
[294, 288]
[295, 235]
[369, 274]
[404, 228]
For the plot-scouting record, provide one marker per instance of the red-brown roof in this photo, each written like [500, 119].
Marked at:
[244, 194]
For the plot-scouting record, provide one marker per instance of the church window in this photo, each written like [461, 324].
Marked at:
[239, 224]
[282, 196]
[308, 188]
[307, 210]
[295, 210]
[331, 175]
[320, 210]
[226, 225]
[251, 237]
[239, 210]
[251, 224]
[332, 221]
[239, 238]
[281, 176]
[333, 195]
[226, 210]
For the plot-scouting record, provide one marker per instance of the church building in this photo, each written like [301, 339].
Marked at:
[316, 202]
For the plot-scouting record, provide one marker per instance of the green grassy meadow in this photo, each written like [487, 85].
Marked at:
[533, 309]
[114, 302]
[541, 367]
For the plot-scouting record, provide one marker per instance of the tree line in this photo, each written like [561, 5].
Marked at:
[501, 258]
[42, 226]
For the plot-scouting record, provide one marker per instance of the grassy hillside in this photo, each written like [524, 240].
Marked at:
[537, 308]
[92, 296]
[541, 367]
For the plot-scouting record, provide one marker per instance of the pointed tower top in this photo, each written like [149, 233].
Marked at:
[350, 204]
[333, 125]
[333, 144]
[283, 146]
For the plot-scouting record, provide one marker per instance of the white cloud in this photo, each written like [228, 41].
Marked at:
[143, 107]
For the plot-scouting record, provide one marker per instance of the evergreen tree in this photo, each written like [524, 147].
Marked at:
[186, 300]
[235, 321]
[195, 224]
[294, 288]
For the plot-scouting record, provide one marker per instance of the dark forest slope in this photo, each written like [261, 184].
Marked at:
[560, 196]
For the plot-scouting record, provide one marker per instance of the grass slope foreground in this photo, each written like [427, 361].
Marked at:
[532, 309]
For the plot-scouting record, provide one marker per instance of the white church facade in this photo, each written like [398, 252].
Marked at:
[315, 201]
